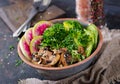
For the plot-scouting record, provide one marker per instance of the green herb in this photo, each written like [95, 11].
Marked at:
[18, 39]
[93, 31]
[18, 62]
[70, 24]
[71, 34]
[11, 47]
[53, 36]
[82, 57]
[17, 18]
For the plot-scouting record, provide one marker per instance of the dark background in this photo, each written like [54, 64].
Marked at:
[9, 72]
[111, 9]
[112, 12]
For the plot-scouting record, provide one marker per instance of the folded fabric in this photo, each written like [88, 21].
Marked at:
[103, 71]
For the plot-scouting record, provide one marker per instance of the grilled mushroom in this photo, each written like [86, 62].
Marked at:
[80, 49]
[54, 60]
[63, 60]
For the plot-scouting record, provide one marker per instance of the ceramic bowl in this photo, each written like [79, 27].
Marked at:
[53, 73]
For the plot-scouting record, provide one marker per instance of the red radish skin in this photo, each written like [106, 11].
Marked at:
[25, 48]
[28, 35]
[40, 27]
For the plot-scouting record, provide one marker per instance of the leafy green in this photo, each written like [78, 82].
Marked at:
[75, 56]
[18, 62]
[53, 36]
[69, 43]
[71, 34]
[69, 24]
[11, 47]
[92, 28]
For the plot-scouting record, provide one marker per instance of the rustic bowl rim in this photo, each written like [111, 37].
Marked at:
[66, 67]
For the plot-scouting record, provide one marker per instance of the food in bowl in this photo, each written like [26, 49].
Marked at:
[50, 44]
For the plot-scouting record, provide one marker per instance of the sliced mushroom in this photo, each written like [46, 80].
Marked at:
[44, 61]
[56, 51]
[68, 58]
[35, 60]
[54, 61]
[60, 63]
[80, 49]
[41, 52]
[63, 60]
[63, 49]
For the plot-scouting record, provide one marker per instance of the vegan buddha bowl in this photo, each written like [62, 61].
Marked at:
[60, 48]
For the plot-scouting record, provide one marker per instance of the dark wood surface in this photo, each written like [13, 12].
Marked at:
[15, 14]
[9, 72]
[18, 11]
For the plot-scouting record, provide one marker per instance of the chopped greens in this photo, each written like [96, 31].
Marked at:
[71, 34]
[18, 39]
[11, 47]
[70, 24]
[53, 36]
[18, 62]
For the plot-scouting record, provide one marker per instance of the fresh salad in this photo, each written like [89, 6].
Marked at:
[58, 44]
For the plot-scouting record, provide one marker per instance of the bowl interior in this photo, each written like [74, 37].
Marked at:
[66, 67]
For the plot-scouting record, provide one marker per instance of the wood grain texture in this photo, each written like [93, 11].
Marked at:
[15, 14]
[51, 13]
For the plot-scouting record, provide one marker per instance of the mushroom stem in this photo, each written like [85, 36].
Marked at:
[63, 60]
[54, 61]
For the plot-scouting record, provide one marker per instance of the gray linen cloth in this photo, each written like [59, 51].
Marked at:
[105, 70]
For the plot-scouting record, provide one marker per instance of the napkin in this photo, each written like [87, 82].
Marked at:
[104, 70]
